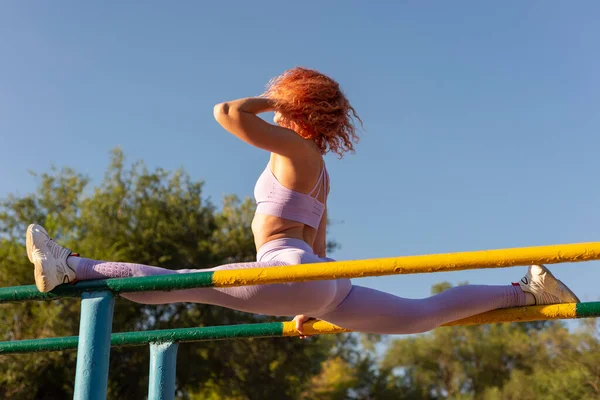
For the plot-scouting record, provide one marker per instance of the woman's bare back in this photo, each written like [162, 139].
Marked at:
[299, 174]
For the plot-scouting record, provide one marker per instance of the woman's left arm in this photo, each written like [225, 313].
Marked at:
[320, 246]
[239, 117]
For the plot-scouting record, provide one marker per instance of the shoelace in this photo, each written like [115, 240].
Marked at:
[53, 247]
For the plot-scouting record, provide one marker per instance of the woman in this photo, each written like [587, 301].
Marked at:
[312, 117]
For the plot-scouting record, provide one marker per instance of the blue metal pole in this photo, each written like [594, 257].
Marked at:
[93, 351]
[163, 361]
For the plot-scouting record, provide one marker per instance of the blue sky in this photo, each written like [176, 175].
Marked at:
[481, 118]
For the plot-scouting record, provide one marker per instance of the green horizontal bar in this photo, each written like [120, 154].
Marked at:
[34, 345]
[115, 285]
[587, 310]
[270, 329]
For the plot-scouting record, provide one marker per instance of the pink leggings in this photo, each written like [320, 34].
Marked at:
[336, 301]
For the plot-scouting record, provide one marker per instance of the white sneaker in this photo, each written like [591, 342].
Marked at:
[545, 288]
[49, 259]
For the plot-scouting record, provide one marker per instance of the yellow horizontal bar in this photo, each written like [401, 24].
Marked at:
[517, 314]
[411, 264]
[521, 314]
[313, 327]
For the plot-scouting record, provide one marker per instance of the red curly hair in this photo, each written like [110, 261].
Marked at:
[317, 108]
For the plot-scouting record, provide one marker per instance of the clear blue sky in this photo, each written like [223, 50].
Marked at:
[481, 118]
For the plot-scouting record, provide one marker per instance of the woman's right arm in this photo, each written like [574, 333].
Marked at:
[239, 118]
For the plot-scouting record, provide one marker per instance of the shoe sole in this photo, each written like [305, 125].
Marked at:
[40, 280]
[29, 242]
[565, 287]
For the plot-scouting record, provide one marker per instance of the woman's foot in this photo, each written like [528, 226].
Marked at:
[545, 288]
[49, 259]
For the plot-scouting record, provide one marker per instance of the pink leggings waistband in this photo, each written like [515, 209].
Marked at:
[288, 249]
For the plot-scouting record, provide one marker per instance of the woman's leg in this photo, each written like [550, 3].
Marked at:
[371, 311]
[54, 266]
[285, 299]
[88, 269]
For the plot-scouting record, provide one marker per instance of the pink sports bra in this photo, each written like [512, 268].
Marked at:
[272, 198]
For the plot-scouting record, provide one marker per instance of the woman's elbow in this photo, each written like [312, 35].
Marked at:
[220, 110]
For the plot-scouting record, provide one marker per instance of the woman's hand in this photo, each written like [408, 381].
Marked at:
[300, 319]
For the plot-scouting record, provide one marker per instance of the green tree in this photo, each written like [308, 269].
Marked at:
[150, 217]
[354, 373]
[566, 368]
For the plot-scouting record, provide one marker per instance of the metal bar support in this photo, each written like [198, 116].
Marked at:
[93, 351]
[163, 363]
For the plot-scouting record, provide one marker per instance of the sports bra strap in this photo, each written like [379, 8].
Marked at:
[319, 183]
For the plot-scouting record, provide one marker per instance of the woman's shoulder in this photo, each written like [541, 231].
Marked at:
[307, 160]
